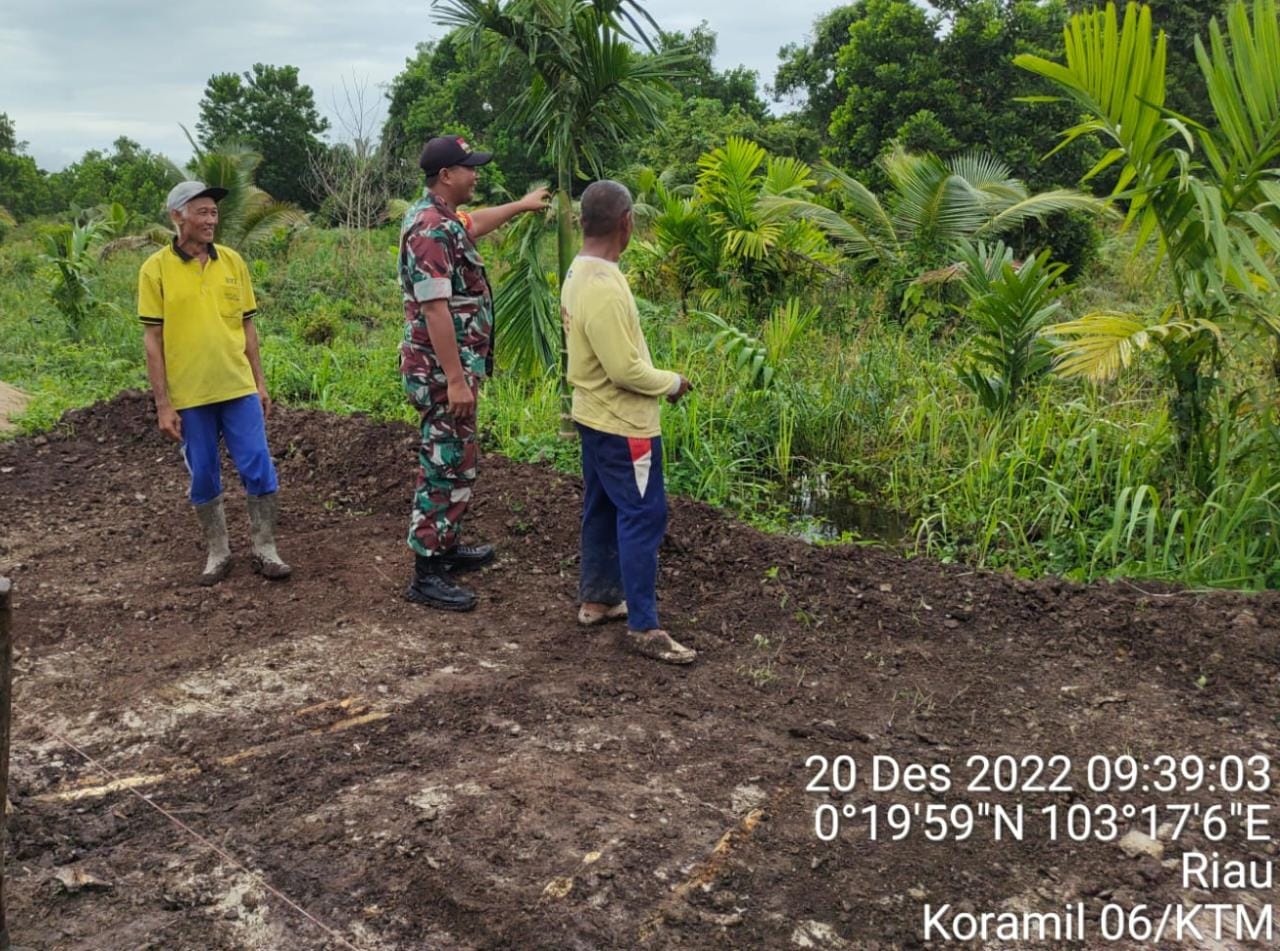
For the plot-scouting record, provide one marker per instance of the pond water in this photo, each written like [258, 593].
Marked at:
[825, 509]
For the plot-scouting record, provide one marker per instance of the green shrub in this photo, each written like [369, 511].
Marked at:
[1071, 238]
[319, 327]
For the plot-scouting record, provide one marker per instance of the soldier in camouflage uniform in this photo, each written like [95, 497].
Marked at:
[446, 353]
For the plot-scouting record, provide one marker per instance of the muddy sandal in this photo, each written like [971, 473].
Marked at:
[658, 645]
[591, 618]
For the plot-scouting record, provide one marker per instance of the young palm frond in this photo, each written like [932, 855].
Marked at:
[598, 97]
[247, 215]
[264, 217]
[864, 231]
[728, 189]
[1215, 220]
[649, 190]
[739, 190]
[785, 328]
[1011, 304]
[1009, 217]
[69, 252]
[526, 305]
[591, 87]
[761, 357]
[1201, 216]
[1242, 75]
[987, 173]
[682, 253]
[1102, 344]
[933, 204]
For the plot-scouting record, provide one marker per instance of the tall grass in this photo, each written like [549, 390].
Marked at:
[1077, 481]
[38, 354]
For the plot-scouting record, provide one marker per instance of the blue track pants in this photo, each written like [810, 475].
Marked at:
[624, 516]
[240, 424]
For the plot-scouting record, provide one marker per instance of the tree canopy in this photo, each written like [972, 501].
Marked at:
[8, 135]
[270, 111]
[806, 75]
[711, 106]
[884, 72]
[738, 86]
[451, 86]
[136, 178]
[23, 189]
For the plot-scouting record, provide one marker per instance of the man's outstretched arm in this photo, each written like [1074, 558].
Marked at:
[484, 220]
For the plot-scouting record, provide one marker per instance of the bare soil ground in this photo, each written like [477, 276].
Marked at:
[503, 779]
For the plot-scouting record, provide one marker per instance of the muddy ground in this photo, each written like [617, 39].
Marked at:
[338, 768]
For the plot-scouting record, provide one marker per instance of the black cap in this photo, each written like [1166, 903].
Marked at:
[446, 151]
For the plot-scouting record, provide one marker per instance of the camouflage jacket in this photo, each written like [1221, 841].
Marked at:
[439, 261]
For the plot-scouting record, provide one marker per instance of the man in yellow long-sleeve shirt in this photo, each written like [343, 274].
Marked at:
[616, 390]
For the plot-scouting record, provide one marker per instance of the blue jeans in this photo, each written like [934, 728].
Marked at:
[240, 423]
[624, 516]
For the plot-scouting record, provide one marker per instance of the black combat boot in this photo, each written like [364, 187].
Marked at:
[433, 587]
[467, 557]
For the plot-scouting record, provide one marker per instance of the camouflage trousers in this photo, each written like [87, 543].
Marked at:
[446, 470]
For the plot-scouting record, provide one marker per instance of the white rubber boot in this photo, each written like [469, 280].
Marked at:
[213, 522]
[263, 511]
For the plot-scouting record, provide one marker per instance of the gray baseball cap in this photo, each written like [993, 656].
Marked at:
[184, 192]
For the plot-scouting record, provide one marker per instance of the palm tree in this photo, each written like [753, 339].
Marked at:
[247, 216]
[1208, 197]
[591, 88]
[757, 248]
[679, 252]
[526, 312]
[934, 203]
[70, 252]
[716, 239]
[1010, 302]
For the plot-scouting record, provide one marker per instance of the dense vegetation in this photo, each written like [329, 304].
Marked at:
[896, 310]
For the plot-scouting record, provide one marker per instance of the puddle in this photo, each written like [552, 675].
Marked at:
[825, 510]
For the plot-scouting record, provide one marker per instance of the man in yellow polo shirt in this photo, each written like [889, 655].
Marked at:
[196, 303]
[616, 393]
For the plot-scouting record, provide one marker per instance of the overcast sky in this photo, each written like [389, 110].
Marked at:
[76, 74]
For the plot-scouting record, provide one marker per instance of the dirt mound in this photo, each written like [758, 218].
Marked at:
[408, 779]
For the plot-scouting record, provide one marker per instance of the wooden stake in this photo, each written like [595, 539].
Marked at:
[6, 697]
